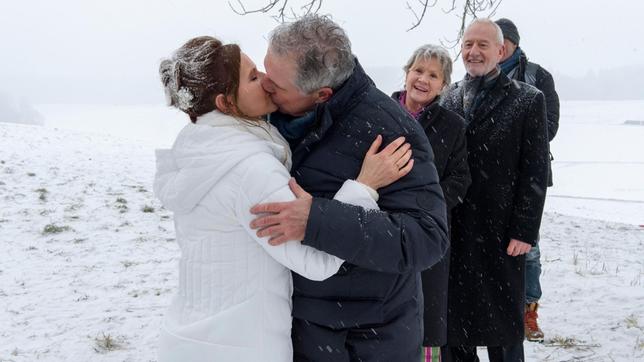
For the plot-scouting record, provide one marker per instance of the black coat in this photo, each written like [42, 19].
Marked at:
[507, 143]
[446, 133]
[384, 250]
[544, 82]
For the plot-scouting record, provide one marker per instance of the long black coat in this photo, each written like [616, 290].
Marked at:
[544, 82]
[446, 133]
[508, 157]
[384, 250]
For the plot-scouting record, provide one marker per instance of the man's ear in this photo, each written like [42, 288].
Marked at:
[323, 95]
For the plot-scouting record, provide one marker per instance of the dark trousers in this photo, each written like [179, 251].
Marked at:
[512, 353]
[397, 340]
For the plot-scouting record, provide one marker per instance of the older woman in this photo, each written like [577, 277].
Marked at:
[428, 72]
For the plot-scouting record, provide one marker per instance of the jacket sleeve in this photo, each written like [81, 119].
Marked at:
[304, 260]
[456, 178]
[532, 181]
[409, 236]
[546, 84]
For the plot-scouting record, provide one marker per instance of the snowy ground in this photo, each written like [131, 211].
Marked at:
[89, 256]
[599, 161]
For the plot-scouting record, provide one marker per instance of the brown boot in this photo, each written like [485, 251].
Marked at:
[532, 331]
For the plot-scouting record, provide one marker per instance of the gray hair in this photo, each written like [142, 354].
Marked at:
[499, 32]
[322, 50]
[429, 51]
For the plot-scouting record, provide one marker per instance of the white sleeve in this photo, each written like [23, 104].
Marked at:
[358, 194]
[266, 180]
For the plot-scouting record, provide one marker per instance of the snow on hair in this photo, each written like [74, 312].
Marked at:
[175, 95]
[321, 48]
[170, 72]
[198, 71]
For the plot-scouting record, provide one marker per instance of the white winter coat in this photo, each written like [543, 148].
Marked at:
[234, 297]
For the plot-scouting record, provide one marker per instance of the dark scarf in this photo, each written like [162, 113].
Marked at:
[510, 65]
[475, 89]
[292, 128]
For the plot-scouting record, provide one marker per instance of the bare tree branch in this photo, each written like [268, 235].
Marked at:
[282, 9]
[308, 8]
[271, 4]
[419, 19]
[471, 9]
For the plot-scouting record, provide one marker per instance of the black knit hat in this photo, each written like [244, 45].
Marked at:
[509, 30]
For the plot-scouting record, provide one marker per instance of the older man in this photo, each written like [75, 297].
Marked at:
[498, 221]
[330, 111]
[516, 65]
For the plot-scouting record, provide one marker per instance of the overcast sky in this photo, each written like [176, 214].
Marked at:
[55, 50]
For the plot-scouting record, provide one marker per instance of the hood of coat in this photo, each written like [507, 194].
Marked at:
[205, 152]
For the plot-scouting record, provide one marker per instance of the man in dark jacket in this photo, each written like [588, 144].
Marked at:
[330, 111]
[515, 65]
[499, 219]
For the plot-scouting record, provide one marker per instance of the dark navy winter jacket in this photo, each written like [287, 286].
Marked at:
[384, 250]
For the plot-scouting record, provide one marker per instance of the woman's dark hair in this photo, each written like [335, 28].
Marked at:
[199, 71]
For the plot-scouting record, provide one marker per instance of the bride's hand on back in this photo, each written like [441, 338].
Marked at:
[380, 169]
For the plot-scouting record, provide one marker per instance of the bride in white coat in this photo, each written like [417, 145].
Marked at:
[234, 296]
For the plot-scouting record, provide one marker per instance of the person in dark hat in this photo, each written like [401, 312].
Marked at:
[498, 221]
[515, 65]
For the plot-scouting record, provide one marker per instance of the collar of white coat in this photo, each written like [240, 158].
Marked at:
[259, 128]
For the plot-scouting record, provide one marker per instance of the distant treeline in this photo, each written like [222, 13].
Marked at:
[611, 84]
[625, 83]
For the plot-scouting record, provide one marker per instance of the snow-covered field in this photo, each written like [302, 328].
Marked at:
[88, 261]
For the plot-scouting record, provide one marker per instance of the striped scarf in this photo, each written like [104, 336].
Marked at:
[510, 66]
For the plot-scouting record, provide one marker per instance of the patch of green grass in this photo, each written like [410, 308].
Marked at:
[106, 343]
[632, 322]
[565, 342]
[147, 208]
[55, 229]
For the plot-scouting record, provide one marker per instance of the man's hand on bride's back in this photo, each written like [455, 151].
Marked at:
[380, 169]
[285, 220]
